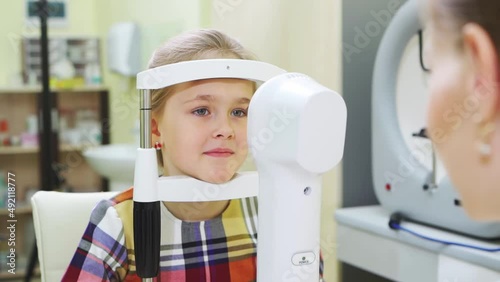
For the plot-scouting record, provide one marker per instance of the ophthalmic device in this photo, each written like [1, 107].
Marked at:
[296, 132]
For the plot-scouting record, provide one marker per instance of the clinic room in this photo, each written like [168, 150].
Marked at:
[250, 140]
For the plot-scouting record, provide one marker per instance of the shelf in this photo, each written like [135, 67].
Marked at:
[7, 275]
[38, 89]
[71, 148]
[20, 274]
[13, 150]
[22, 210]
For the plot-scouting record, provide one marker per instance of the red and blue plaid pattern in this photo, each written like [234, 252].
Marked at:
[220, 249]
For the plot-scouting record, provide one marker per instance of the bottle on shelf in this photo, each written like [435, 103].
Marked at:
[93, 74]
[4, 132]
[3, 190]
[29, 138]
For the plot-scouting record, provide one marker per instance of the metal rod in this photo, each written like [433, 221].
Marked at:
[146, 215]
[145, 118]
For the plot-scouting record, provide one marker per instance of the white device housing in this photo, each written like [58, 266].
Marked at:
[296, 132]
[124, 52]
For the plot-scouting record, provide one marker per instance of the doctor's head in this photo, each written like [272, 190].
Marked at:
[464, 111]
[201, 125]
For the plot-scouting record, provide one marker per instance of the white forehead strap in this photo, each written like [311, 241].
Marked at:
[171, 74]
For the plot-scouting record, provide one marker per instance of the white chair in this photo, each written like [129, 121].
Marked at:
[60, 220]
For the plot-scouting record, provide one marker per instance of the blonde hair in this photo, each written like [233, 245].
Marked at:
[194, 45]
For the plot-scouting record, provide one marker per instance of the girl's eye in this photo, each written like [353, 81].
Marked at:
[201, 112]
[239, 113]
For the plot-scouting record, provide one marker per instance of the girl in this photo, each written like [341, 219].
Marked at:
[201, 129]
[465, 73]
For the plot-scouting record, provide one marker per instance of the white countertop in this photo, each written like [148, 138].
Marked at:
[365, 240]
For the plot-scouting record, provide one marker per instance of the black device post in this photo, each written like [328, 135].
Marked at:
[47, 117]
[47, 110]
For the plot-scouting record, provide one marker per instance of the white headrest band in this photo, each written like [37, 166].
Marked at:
[171, 74]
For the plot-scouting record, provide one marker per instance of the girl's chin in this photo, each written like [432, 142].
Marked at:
[219, 177]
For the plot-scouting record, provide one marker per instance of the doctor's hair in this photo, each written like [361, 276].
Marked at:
[193, 45]
[452, 15]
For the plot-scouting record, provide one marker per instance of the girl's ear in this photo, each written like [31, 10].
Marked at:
[154, 127]
[483, 53]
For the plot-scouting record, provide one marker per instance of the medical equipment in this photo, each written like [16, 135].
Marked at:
[296, 132]
[402, 182]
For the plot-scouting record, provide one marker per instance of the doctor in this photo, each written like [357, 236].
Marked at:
[464, 111]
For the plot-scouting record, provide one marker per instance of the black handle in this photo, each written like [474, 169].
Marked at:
[147, 229]
[422, 133]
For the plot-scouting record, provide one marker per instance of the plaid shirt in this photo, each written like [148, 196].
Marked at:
[220, 249]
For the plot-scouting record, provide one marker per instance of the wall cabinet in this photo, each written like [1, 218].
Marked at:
[83, 118]
[82, 53]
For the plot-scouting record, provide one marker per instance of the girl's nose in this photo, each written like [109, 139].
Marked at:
[224, 129]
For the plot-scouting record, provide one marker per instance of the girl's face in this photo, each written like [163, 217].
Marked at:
[453, 118]
[203, 128]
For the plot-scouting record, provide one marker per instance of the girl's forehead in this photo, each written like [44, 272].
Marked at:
[219, 80]
[215, 84]
[211, 89]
